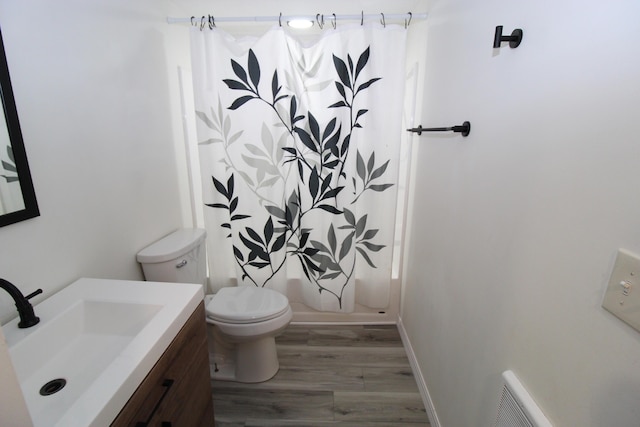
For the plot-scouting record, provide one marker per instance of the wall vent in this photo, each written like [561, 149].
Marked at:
[516, 407]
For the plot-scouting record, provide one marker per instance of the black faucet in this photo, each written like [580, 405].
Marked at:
[27, 317]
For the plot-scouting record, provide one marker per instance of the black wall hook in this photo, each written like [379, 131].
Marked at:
[464, 129]
[514, 39]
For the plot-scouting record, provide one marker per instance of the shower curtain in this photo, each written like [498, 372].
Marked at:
[299, 147]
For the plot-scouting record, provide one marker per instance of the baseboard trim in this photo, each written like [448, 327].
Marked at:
[417, 373]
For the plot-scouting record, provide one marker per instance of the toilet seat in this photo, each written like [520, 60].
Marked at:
[246, 304]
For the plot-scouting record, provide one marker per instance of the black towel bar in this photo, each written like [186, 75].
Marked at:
[464, 129]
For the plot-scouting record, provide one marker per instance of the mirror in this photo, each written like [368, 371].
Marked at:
[17, 196]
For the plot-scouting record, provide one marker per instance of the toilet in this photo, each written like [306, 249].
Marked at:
[243, 321]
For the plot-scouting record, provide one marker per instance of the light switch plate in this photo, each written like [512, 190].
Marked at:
[622, 297]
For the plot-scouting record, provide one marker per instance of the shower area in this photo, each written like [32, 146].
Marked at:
[299, 158]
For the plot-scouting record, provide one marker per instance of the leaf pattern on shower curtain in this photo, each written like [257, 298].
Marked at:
[318, 152]
[299, 148]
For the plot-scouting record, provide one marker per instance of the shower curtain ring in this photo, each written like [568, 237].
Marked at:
[334, 21]
[361, 17]
[382, 21]
[212, 22]
[193, 23]
[202, 21]
[280, 19]
[320, 20]
[407, 23]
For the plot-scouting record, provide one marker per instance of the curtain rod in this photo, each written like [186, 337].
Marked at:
[329, 17]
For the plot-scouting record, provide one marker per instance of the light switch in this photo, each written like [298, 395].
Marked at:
[622, 297]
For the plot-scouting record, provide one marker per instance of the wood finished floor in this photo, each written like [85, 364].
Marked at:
[329, 376]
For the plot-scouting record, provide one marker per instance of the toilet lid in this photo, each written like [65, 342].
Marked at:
[246, 304]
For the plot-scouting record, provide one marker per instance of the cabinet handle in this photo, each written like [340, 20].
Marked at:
[167, 383]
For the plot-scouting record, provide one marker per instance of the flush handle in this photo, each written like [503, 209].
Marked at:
[182, 263]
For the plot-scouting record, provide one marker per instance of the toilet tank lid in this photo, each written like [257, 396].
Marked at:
[173, 246]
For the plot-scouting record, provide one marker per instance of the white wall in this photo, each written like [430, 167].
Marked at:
[93, 90]
[516, 227]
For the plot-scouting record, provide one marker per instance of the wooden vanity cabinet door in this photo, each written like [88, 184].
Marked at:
[177, 391]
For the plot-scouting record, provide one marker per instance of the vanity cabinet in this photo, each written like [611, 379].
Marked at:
[177, 391]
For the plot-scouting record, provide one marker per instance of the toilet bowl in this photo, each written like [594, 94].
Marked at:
[242, 321]
[249, 318]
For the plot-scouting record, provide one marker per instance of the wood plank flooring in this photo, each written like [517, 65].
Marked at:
[343, 376]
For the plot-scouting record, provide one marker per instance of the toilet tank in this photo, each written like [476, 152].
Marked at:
[178, 257]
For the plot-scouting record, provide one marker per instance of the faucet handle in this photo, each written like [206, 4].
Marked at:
[33, 294]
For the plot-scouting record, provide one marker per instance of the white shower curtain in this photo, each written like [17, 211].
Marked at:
[299, 146]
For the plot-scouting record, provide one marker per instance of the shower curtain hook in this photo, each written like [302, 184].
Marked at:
[193, 22]
[382, 21]
[335, 18]
[280, 19]
[406, 24]
[202, 20]
[361, 17]
[212, 22]
[320, 21]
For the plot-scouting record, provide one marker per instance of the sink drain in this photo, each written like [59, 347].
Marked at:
[53, 386]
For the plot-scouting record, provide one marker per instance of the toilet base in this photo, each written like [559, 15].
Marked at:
[246, 362]
[256, 361]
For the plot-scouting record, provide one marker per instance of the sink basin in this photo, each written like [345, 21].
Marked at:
[101, 337]
[76, 346]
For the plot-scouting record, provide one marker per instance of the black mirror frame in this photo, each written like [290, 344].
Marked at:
[17, 145]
